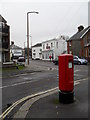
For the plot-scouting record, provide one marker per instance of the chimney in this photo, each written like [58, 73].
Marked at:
[12, 42]
[80, 28]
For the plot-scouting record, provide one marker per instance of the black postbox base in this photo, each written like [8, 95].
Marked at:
[66, 97]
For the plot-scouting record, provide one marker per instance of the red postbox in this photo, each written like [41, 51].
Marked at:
[66, 78]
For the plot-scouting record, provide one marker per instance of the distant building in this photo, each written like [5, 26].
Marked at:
[54, 47]
[4, 40]
[37, 51]
[79, 43]
[15, 51]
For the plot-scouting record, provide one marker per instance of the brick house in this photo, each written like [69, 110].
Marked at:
[4, 40]
[79, 43]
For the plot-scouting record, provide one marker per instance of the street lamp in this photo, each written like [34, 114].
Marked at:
[31, 45]
[28, 34]
[24, 50]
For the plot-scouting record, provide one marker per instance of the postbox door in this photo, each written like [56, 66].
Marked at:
[69, 74]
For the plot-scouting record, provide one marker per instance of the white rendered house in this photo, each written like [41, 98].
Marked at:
[54, 47]
[37, 51]
[15, 51]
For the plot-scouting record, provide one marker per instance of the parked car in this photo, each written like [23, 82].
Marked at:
[55, 61]
[78, 60]
[21, 61]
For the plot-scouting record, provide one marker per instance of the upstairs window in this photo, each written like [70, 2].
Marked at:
[56, 44]
[89, 52]
[89, 39]
[43, 46]
[51, 45]
[40, 50]
[70, 44]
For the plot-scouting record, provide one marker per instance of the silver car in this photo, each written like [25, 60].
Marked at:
[78, 60]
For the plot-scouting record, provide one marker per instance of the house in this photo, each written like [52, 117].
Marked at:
[37, 51]
[87, 50]
[79, 43]
[4, 40]
[54, 47]
[15, 51]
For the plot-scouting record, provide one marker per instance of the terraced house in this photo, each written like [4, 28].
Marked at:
[4, 40]
[79, 43]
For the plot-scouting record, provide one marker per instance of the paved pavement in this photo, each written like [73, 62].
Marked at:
[49, 106]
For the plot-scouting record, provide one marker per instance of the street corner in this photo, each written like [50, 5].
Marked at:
[51, 107]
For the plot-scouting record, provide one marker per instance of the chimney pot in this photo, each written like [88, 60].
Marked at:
[12, 42]
[80, 28]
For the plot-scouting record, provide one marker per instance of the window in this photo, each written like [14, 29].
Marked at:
[16, 52]
[47, 46]
[42, 56]
[40, 50]
[75, 57]
[89, 39]
[46, 56]
[43, 46]
[89, 52]
[51, 45]
[70, 52]
[0, 41]
[3, 40]
[34, 53]
[56, 44]
[70, 44]
[33, 50]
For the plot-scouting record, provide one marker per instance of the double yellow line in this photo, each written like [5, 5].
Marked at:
[7, 111]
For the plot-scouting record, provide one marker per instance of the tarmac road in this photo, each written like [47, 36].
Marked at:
[32, 80]
[19, 85]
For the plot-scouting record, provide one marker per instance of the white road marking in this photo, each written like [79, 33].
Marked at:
[15, 75]
[76, 83]
[26, 82]
[25, 78]
[32, 73]
[23, 74]
[76, 70]
[18, 75]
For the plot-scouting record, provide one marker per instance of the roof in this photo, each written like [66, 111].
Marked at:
[15, 47]
[62, 37]
[2, 19]
[37, 45]
[80, 35]
[49, 40]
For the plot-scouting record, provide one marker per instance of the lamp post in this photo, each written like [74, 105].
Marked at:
[24, 50]
[28, 34]
[31, 46]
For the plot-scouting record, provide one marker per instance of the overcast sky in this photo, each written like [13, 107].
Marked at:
[54, 19]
